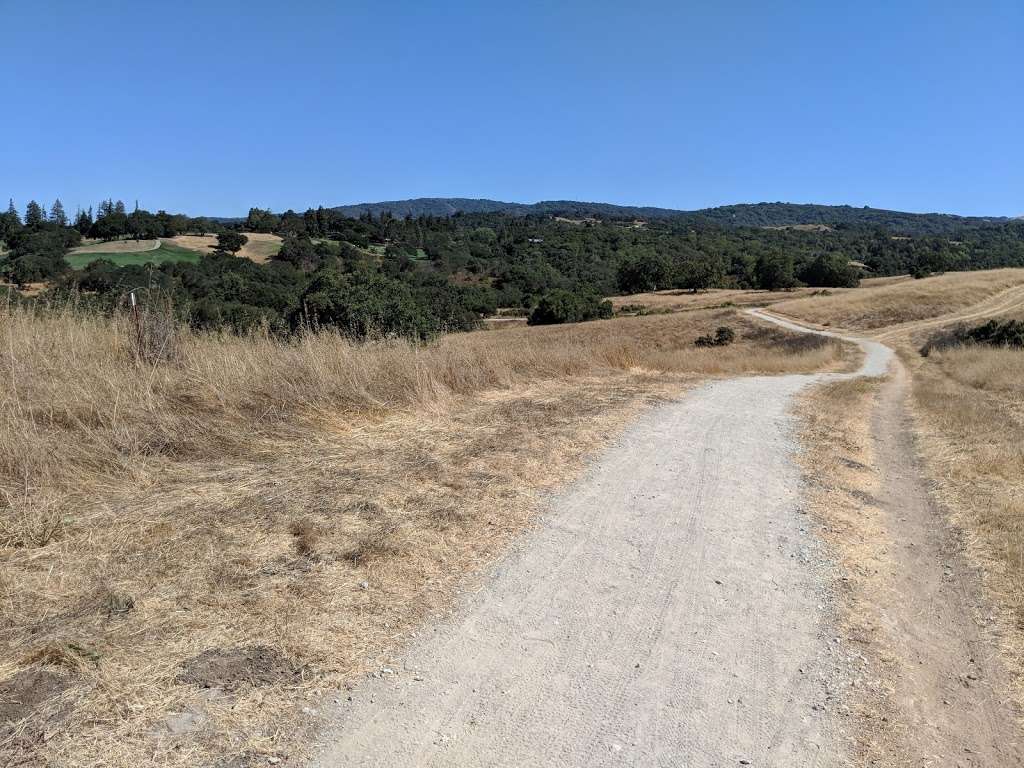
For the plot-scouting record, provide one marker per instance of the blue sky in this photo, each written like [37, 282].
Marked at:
[209, 108]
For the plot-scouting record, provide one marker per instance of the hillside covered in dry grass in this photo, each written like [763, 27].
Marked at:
[196, 541]
[905, 301]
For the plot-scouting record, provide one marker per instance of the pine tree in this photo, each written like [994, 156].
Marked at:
[34, 215]
[119, 207]
[83, 221]
[12, 211]
[57, 213]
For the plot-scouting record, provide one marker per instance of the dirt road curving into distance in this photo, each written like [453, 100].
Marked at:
[998, 304]
[673, 608]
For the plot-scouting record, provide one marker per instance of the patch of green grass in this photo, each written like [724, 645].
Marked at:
[165, 253]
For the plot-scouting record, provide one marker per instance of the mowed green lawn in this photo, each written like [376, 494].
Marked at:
[161, 255]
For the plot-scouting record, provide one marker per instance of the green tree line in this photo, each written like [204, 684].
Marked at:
[417, 276]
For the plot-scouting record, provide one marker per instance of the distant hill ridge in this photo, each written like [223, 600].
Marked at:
[741, 215]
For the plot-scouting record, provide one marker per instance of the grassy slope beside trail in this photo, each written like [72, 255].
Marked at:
[969, 410]
[968, 404]
[240, 493]
[165, 253]
[902, 302]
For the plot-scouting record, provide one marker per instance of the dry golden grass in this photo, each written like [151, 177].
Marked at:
[969, 408]
[968, 405]
[838, 464]
[116, 246]
[260, 247]
[904, 301]
[680, 300]
[308, 502]
[28, 289]
[804, 227]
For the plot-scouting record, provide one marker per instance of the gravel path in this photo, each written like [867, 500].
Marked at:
[672, 609]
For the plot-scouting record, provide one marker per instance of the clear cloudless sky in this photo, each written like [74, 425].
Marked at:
[213, 107]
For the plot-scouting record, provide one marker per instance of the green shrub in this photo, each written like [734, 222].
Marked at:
[994, 333]
[1006, 333]
[724, 336]
[831, 270]
[561, 306]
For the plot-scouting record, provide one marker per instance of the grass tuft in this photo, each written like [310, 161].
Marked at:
[306, 536]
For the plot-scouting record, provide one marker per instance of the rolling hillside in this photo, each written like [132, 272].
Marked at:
[743, 215]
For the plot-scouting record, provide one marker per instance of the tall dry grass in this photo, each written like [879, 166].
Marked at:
[316, 497]
[78, 413]
[903, 302]
[969, 407]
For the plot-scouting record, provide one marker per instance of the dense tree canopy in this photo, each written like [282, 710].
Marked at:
[381, 274]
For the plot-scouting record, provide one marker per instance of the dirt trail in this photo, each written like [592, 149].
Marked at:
[672, 609]
[948, 685]
[1002, 302]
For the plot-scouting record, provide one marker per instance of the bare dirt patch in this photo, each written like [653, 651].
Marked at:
[25, 693]
[231, 668]
[31, 709]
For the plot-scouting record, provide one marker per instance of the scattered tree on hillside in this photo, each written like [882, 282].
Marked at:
[832, 270]
[34, 215]
[10, 221]
[263, 221]
[57, 214]
[648, 272]
[299, 252]
[561, 306]
[231, 242]
[365, 305]
[83, 221]
[724, 336]
[775, 272]
[700, 274]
